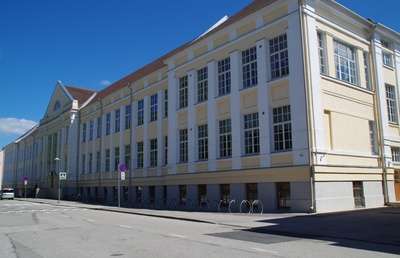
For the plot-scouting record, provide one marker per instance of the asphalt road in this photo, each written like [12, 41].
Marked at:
[45, 230]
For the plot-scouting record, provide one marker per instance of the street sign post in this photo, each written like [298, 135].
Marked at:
[63, 175]
[121, 175]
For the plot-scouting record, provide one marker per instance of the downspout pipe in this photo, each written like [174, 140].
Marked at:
[307, 100]
[101, 142]
[379, 122]
[130, 139]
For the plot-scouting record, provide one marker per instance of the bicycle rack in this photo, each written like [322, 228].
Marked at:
[256, 202]
[245, 201]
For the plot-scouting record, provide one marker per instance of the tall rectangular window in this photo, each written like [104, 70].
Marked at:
[358, 194]
[66, 134]
[98, 127]
[282, 128]
[225, 138]
[108, 124]
[140, 112]
[166, 103]
[224, 76]
[321, 52]
[83, 163]
[84, 132]
[116, 158]
[153, 152]
[107, 161]
[183, 91]
[127, 117]
[372, 134]
[183, 145]
[391, 103]
[139, 154]
[166, 150]
[345, 64]
[98, 161]
[225, 190]
[249, 67]
[279, 57]
[117, 125]
[202, 142]
[91, 124]
[252, 192]
[90, 163]
[153, 107]
[202, 85]
[251, 134]
[366, 70]
[127, 161]
[395, 154]
[387, 58]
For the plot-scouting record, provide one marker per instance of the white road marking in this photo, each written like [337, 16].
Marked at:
[123, 226]
[90, 220]
[263, 250]
[180, 236]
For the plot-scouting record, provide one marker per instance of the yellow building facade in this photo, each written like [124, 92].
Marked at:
[286, 105]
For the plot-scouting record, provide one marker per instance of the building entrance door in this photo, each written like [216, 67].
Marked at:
[397, 184]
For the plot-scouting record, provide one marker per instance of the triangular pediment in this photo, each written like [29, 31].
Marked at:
[61, 101]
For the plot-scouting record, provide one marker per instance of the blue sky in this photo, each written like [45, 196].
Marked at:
[93, 43]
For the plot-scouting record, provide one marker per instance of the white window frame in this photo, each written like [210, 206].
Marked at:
[225, 138]
[183, 145]
[140, 112]
[345, 62]
[202, 137]
[249, 67]
[391, 103]
[224, 76]
[395, 154]
[321, 52]
[202, 84]
[153, 152]
[153, 107]
[279, 56]
[183, 91]
[282, 128]
[251, 134]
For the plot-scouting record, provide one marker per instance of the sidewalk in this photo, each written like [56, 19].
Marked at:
[379, 225]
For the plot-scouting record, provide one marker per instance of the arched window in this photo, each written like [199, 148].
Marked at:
[57, 105]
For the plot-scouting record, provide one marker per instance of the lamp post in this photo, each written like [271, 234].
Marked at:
[58, 174]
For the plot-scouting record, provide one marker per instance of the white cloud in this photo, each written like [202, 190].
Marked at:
[105, 82]
[15, 126]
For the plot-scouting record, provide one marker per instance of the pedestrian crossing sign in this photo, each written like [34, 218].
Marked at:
[63, 175]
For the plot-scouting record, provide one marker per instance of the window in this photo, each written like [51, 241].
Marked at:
[249, 67]
[140, 117]
[372, 136]
[57, 105]
[321, 53]
[139, 159]
[166, 150]
[116, 158]
[251, 134]
[224, 76]
[98, 127]
[391, 103]
[225, 138]
[366, 70]
[98, 161]
[395, 154]
[358, 194]
[282, 128]
[117, 124]
[153, 107]
[182, 194]
[202, 190]
[127, 156]
[166, 103]
[84, 132]
[153, 152]
[108, 160]
[387, 59]
[183, 91]
[279, 58]
[127, 117]
[345, 65]
[283, 194]
[386, 44]
[108, 124]
[90, 163]
[202, 85]
[152, 193]
[183, 145]
[203, 142]
[225, 194]
[83, 163]
[251, 192]
[91, 124]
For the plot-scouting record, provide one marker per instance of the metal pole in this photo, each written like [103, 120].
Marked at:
[119, 192]
[59, 188]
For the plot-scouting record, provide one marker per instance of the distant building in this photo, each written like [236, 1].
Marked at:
[285, 105]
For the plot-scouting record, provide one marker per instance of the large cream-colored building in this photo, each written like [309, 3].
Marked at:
[286, 105]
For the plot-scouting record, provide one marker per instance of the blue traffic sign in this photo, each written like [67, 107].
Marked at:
[122, 168]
